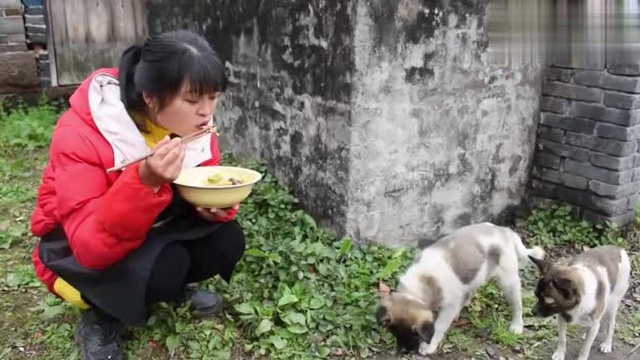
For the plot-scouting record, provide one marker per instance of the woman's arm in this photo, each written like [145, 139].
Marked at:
[104, 223]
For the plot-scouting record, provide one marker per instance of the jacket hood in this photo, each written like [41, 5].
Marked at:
[79, 100]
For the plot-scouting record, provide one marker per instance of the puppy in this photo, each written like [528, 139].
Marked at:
[590, 286]
[442, 279]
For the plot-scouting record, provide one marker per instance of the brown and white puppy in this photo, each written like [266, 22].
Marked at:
[442, 279]
[590, 286]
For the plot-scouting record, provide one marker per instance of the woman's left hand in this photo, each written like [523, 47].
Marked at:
[219, 215]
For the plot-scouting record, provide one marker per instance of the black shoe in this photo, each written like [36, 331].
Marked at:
[203, 303]
[99, 336]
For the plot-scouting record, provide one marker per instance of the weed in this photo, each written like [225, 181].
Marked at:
[27, 128]
[557, 226]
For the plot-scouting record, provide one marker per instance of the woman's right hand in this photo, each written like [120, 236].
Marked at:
[164, 165]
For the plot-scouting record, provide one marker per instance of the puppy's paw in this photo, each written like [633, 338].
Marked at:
[516, 328]
[558, 354]
[605, 347]
[427, 349]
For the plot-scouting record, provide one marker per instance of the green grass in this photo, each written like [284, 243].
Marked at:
[300, 292]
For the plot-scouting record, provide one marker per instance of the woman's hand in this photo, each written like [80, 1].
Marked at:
[164, 165]
[219, 215]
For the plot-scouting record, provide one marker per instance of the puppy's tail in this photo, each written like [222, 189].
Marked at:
[535, 252]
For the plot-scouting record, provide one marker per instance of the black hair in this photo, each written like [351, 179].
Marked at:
[163, 63]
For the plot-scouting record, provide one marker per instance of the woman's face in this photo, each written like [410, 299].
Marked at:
[187, 112]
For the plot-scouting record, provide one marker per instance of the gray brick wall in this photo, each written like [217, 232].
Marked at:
[37, 36]
[12, 30]
[23, 27]
[588, 144]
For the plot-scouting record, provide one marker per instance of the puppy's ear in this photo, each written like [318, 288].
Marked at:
[425, 330]
[566, 287]
[542, 265]
[382, 315]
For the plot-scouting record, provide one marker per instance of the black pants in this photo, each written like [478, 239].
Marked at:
[184, 262]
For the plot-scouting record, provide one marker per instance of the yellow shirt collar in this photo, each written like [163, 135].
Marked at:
[154, 133]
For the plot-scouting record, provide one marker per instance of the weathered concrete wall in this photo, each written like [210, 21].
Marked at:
[385, 117]
[440, 136]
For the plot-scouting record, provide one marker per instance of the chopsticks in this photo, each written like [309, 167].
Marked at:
[193, 136]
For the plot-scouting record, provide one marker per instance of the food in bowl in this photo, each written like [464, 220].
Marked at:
[216, 186]
[219, 180]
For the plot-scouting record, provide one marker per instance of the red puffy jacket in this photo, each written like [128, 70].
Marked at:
[105, 216]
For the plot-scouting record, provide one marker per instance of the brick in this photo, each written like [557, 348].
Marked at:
[552, 134]
[543, 186]
[584, 126]
[34, 20]
[564, 150]
[45, 82]
[622, 101]
[612, 162]
[37, 38]
[16, 38]
[12, 12]
[547, 160]
[615, 147]
[622, 83]
[549, 175]
[18, 71]
[636, 175]
[554, 104]
[587, 110]
[589, 78]
[626, 70]
[34, 10]
[561, 193]
[614, 191]
[608, 81]
[574, 181]
[33, 2]
[11, 25]
[4, 39]
[558, 74]
[545, 189]
[570, 91]
[12, 47]
[36, 29]
[4, 4]
[574, 196]
[592, 172]
[602, 113]
[612, 131]
[579, 140]
[609, 206]
[619, 220]
[44, 69]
